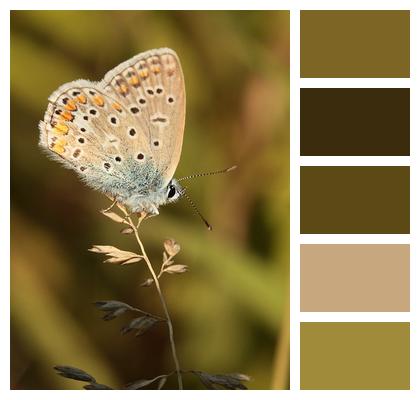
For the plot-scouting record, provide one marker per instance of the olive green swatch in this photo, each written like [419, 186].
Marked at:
[355, 122]
[355, 355]
[355, 44]
[355, 200]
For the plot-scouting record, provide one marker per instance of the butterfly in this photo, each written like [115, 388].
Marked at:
[123, 135]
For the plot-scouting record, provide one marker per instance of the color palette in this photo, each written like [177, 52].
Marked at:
[355, 277]
[355, 44]
[355, 122]
[355, 355]
[355, 199]
[354, 153]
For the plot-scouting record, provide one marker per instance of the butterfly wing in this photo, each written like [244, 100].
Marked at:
[151, 87]
[123, 135]
[93, 134]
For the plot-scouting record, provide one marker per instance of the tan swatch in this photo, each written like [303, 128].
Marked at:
[355, 277]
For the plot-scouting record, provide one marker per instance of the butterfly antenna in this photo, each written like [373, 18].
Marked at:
[194, 207]
[222, 171]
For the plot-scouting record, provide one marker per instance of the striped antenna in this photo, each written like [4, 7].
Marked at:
[207, 173]
[194, 207]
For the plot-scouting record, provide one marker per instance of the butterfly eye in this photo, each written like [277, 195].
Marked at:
[171, 191]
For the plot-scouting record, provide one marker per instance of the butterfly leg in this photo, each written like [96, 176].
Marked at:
[147, 208]
[152, 210]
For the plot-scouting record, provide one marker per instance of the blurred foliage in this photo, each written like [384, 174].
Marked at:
[230, 310]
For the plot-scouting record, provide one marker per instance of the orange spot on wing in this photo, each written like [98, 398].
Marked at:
[123, 88]
[59, 146]
[99, 100]
[144, 73]
[117, 107]
[60, 129]
[134, 80]
[81, 98]
[156, 69]
[70, 105]
[67, 115]
[57, 149]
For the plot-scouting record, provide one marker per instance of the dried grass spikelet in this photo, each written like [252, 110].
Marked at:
[140, 325]
[176, 269]
[171, 247]
[114, 217]
[116, 256]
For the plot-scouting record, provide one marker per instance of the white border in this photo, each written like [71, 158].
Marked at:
[411, 161]
[355, 82]
[354, 317]
[354, 239]
[5, 205]
[354, 161]
[296, 160]
[294, 199]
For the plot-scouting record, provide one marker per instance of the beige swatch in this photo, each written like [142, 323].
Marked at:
[355, 277]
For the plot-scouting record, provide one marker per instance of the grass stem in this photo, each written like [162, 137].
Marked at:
[162, 299]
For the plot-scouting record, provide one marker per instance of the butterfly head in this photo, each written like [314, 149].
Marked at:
[151, 200]
[173, 191]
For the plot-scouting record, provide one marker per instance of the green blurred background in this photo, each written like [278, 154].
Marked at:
[231, 310]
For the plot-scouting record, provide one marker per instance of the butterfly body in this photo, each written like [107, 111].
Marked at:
[123, 135]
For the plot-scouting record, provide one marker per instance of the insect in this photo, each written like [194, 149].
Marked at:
[123, 135]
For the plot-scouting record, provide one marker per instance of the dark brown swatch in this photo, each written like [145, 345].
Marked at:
[355, 277]
[355, 355]
[355, 122]
[355, 44]
[355, 200]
